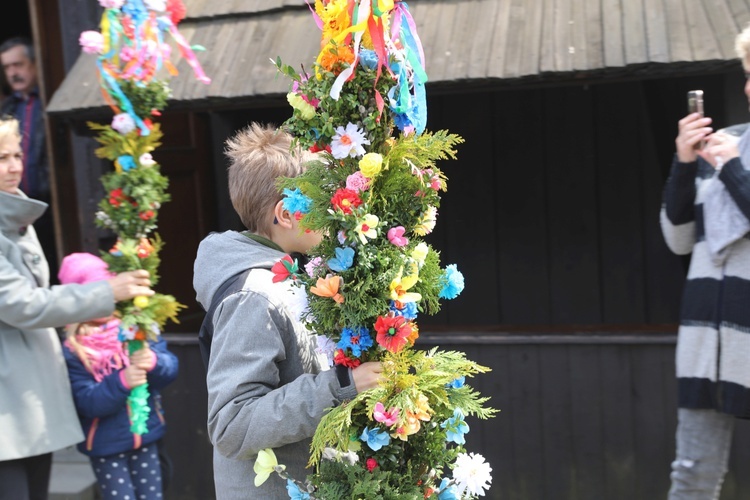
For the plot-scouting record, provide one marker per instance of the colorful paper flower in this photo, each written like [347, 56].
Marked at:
[146, 160]
[457, 383]
[452, 282]
[340, 358]
[419, 253]
[375, 438]
[111, 4]
[455, 427]
[176, 10]
[156, 5]
[326, 347]
[409, 427]
[396, 236]
[357, 182]
[427, 222]
[357, 339]
[387, 417]
[471, 473]
[284, 269]
[123, 123]
[125, 163]
[447, 490]
[371, 463]
[365, 228]
[265, 464]
[294, 492]
[92, 42]
[335, 58]
[296, 202]
[345, 199]
[306, 110]
[348, 142]
[312, 265]
[408, 310]
[343, 260]
[371, 164]
[393, 332]
[144, 248]
[400, 285]
[328, 287]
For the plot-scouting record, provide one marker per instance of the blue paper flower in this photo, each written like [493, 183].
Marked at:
[452, 281]
[457, 383]
[126, 162]
[375, 439]
[356, 339]
[447, 490]
[455, 427]
[295, 201]
[343, 260]
[368, 59]
[294, 492]
[408, 311]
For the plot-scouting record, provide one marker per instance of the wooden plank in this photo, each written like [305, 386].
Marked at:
[614, 39]
[500, 26]
[620, 205]
[702, 39]
[617, 427]
[548, 42]
[529, 64]
[442, 39]
[654, 397]
[480, 43]
[557, 452]
[719, 16]
[563, 40]
[473, 178]
[521, 216]
[594, 36]
[578, 50]
[655, 19]
[677, 33]
[464, 21]
[635, 38]
[585, 422]
[516, 39]
[572, 226]
[740, 12]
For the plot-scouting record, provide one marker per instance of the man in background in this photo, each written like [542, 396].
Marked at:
[24, 103]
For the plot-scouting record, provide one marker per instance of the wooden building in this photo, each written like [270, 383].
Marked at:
[569, 111]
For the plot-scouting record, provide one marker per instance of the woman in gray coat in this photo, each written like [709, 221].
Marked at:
[37, 415]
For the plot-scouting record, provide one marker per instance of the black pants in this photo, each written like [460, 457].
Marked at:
[25, 478]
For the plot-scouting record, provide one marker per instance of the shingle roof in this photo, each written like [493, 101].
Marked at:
[466, 41]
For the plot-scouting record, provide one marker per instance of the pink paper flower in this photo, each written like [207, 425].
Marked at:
[123, 123]
[111, 4]
[92, 42]
[396, 236]
[357, 182]
[388, 418]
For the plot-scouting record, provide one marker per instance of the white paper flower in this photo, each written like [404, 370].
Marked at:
[123, 123]
[111, 4]
[471, 473]
[348, 142]
[146, 160]
[156, 5]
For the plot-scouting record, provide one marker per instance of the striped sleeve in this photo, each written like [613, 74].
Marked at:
[678, 208]
[737, 180]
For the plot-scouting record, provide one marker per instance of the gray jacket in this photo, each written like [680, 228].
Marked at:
[267, 387]
[36, 407]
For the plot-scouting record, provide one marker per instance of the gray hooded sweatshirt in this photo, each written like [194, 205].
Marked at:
[267, 387]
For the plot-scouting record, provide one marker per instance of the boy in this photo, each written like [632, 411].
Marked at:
[267, 388]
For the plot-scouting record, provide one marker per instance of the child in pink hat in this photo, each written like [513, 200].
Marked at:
[101, 376]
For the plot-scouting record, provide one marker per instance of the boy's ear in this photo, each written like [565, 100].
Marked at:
[282, 216]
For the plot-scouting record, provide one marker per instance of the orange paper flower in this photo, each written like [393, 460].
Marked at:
[328, 287]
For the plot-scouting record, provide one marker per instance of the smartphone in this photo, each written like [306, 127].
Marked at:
[695, 105]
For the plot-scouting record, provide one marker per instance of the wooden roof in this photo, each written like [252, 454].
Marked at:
[466, 41]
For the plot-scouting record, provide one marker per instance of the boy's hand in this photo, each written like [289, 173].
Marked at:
[367, 375]
[134, 376]
[143, 358]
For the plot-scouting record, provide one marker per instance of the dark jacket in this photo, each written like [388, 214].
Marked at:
[102, 406]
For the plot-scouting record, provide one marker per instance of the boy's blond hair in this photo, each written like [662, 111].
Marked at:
[742, 47]
[259, 155]
[9, 128]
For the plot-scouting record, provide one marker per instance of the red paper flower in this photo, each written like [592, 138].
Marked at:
[116, 197]
[393, 332]
[284, 269]
[345, 199]
[340, 358]
[316, 148]
[147, 215]
[176, 10]
[371, 464]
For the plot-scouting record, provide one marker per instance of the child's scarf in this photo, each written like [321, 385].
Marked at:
[100, 351]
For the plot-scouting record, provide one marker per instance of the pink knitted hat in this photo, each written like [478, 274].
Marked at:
[83, 268]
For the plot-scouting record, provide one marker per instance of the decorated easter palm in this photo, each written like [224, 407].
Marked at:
[133, 62]
[375, 192]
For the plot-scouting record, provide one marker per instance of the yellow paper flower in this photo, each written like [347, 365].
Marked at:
[424, 411]
[426, 222]
[335, 17]
[306, 110]
[265, 464]
[371, 164]
[411, 425]
[399, 287]
[420, 253]
[366, 228]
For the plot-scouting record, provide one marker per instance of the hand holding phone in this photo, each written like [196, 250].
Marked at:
[695, 105]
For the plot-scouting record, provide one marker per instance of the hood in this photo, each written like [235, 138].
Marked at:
[18, 210]
[221, 256]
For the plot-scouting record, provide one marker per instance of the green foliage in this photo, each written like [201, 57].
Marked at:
[147, 96]
[115, 144]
